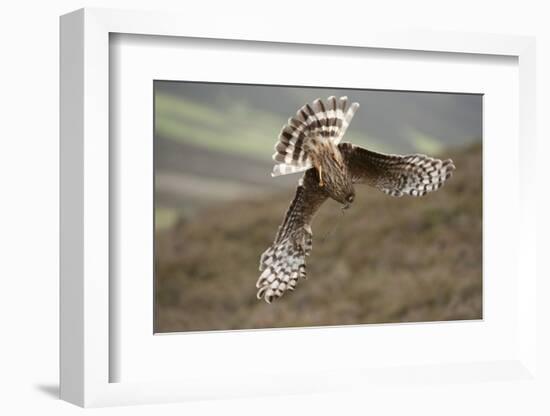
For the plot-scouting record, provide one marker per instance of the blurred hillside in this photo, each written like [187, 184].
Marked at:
[245, 119]
[386, 260]
[213, 142]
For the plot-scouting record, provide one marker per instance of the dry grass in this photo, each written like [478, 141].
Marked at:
[387, 260]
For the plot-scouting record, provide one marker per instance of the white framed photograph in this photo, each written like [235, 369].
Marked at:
[205, 174]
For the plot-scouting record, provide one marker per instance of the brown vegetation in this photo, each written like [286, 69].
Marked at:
[386, 260]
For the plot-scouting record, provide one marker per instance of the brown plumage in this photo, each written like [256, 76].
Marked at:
[310, 142]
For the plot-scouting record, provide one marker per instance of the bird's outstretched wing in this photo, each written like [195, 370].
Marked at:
[284, 262]
[396, 175]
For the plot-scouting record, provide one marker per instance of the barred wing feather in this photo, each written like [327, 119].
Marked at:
[284, 263]
[395, 175]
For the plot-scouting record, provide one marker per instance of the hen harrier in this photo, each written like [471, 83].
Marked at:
[310, 142]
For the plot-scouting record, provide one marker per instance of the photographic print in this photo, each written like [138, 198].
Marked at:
[288, 206]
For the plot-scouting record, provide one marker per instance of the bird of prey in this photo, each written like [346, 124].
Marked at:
[311, 143]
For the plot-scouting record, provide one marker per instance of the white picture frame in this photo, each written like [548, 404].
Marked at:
[86, 291]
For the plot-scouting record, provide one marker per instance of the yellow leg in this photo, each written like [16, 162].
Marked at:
[320, 169]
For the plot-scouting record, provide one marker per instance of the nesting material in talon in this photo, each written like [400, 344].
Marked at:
[321, 184]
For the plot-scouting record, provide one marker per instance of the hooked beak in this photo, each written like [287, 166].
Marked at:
[348, 201]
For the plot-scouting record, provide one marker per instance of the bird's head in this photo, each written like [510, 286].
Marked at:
[341, 189]
[348, 200]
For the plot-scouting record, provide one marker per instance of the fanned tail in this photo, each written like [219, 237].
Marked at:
[320, 121]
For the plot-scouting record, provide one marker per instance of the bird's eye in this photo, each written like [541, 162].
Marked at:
[350, 198]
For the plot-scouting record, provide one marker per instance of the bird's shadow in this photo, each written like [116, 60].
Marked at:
[51, 390]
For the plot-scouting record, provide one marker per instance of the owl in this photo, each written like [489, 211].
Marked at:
[311, 142]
